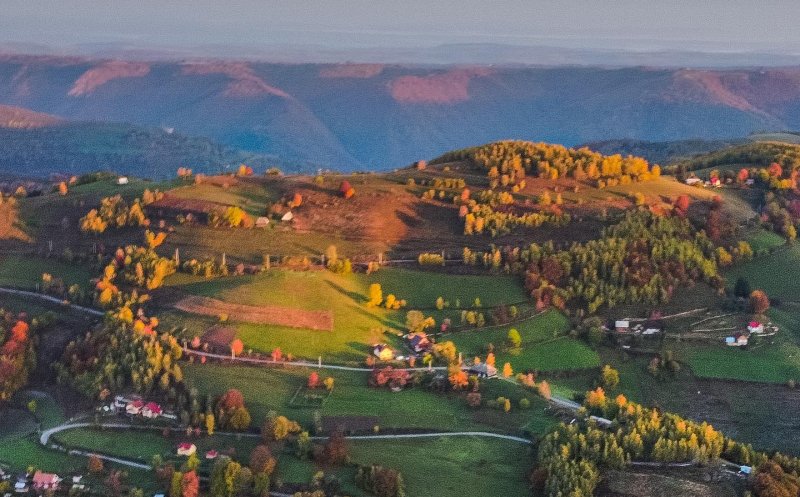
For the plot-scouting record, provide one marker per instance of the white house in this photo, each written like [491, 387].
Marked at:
[287, 217]
[122, 180]
[755, 327]
[622, 326]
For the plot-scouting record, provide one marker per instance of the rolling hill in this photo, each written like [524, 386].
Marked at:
[375, 116]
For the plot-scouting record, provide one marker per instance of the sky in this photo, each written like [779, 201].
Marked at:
[640, 25]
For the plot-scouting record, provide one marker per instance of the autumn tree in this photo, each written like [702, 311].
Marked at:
[262, 460]
[609, 377]
[190, 484]
[759, 302]
[514, 338]
[95, 464]
[313, 380]
[375, 295]
[237, 347]
[336, 451]
[507, 371]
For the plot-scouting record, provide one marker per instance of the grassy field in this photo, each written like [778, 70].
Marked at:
[268, 389]
[26, 271]
[453, 466]
[356, 327]
[772, 273]
[545, 346]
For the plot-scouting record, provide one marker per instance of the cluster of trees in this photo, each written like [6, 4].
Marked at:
[232, 217]
[781, 214]
[17, 354]
[481, 218]
[208, 268]
[760, 154]
[570, 457]
[430, 259]
[116, 212]
[136, 266]
[231, 412]
[114, 358]
[380, 481]
[376, 299]
[642, 259]
[508, 162]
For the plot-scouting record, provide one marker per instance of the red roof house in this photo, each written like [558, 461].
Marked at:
[45, 481]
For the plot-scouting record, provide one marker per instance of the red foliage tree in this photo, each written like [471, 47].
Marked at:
[336, 450]
[682, 204]
[237, 347]
[231, 400]
[775, 170]
[190, 484]
[313, 380]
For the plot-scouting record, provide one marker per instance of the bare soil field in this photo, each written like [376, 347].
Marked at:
[268, 314]
[220, 336]
[628, 484]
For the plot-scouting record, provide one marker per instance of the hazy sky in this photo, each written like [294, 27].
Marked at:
[630, 24]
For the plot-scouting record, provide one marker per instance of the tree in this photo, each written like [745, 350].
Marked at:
[336, 450]
[313, 380]
[262, 460]
[507, 371]
[490, 360]
[62, 188]
[190, 484]
[176, 486]
[544, 389]
[682, 204]
[237, 347]
[609, 377]
[759, 303]
[329, 383]
[741, 288]
[514, 338]
[95, 464]
[507, 405]
[210, 423]
[375, 295]
[240, 419]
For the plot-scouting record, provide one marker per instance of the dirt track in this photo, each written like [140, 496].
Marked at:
[275, 315]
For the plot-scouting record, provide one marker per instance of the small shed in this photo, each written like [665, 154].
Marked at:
[287, 217]
[212, 454]
[122, 180]
[755, 327]
[262, 222]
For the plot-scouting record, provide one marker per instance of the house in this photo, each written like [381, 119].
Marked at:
[262, 222]
[745, 470]
[134, 408]
[483, 370]
[749, 182]
[21, 487]
[76, 483]
[651, 331]
[45, 481]
[186, 449]
[419, 342]
[122, 180]
[212, 454]
[755, 327]
[151, 410]
[622, 326]
[693, 181]
[287, 217]
[715, 182]
[738, 340]
[383, 352]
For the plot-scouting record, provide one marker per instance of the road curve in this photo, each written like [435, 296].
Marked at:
[51, 299]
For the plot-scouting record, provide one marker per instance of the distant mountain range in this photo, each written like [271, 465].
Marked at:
[376, 116]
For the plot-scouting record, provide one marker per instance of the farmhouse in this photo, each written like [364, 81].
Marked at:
[755, 327]
[122, 180]
[383, 352]
[419, 342]
[186, 449]
[134, 408]
[262, 222]
[151, 410]
[483, 370]
[622, 326]
[212, 454]
[45, 481]
[694, 180]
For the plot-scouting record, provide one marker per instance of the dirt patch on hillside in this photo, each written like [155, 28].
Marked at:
[105, 72]
[440, 88]
[268, 314]
[629, 484]
[219, 336]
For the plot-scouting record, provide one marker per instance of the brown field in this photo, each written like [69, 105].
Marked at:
[629, 484]
[267, 314]
[220, 336]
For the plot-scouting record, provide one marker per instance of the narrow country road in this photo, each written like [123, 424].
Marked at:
[51, 299]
